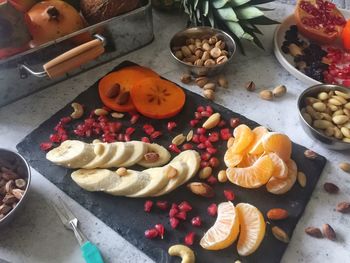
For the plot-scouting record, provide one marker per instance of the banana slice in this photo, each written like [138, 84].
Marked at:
[104, 152]
[95, 179]
[139, 150]
[122, 153]
[182, 171]
[192, 158]
[130, 183]
[71, 154]
[163, 153]
[158, 180]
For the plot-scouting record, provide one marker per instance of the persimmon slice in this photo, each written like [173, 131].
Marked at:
[157, 98]
[126, 78]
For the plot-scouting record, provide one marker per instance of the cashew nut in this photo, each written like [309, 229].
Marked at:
[182, 251]
[78, 110]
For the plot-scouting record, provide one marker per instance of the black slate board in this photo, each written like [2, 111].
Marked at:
[126, 215]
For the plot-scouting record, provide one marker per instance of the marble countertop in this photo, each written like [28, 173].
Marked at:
[37, 235]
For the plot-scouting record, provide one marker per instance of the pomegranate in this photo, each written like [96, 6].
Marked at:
[189, 238]
[160, 229]
[52, 19]
[319, 20]
[151, 233]
[148, 206]
[174, 222]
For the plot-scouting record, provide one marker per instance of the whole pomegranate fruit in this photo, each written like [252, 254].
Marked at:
[319, 20]
[52, 19]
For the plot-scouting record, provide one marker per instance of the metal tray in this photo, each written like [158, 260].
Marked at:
[52, 62]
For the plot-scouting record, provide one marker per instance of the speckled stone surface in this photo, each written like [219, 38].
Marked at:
[37, 235]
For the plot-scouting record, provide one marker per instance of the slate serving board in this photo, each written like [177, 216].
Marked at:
[126, 215]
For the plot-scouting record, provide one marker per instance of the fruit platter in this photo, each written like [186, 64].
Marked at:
[313, 43]
[185, 175]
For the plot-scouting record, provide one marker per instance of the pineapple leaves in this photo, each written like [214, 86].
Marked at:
[263, 20]
[227, 14]
[249, 12]
[238, 30]
[235, 3]
[259, 2]
[205, 7]
[211, 18]
[195, 4]
[220, 3]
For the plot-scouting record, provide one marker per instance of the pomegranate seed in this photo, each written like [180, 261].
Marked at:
[214, 162]
[185, 206]
[212, 180]
[212, 209]
[208, 144]
[201, 146]
[174, 148]
[171, 125]
[163, 205]
[221, 124]
[229, 195]
[55, 138]
[173, 211]
[148, 129]
[127, 138]
[206, 114]
[225, 134]
[114, 127]
[234, 122]
[201, 130]
[195, 138]
[211, 150]
[134, 118]
[129, 130]
[45, 146]
[196, 221]
[64, 137]
[88, 133]
[209, 109]
[121, 137]
[205, 156]
[202, 138]
[174, 222]
[148, 206]
[200, 109]
[181, 215]
[189, 239]
[160, 229]
[151, 233]
[213, 137]
[198, 116]
[155, 134]
[193, 123]
[66, 120]
[204, 164]
[145, 139]
[187, 146]
[174, 205]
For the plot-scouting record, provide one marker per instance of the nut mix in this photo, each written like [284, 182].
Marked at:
[12, 187]
[329, 113]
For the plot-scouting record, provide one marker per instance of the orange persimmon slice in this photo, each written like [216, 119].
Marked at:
[157, 98]
[126, 78]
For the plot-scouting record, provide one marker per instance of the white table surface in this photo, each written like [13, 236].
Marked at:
[37, 235]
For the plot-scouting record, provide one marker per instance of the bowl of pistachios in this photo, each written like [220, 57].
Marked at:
[203, 51]
[325, 114]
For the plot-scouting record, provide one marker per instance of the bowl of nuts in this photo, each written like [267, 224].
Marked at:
[325, 113]
[14, 184]
[204, 51]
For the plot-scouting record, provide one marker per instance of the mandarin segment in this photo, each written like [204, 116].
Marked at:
[256, 147]
[252, 229]
[248, 160]
[232, 159]
[280, 186]
[254, 176]
[280, 169]
[278, 143]
[225, 229]
[243, 138]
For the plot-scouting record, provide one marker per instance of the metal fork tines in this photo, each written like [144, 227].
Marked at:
[69, 220]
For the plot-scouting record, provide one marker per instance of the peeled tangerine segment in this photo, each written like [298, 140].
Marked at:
[256, 147]
[280, 186]
[254, 176]
[225, 229]
[248, 160]
[280, 169]
[243, 138]
[231, 158]
[278, 143]
[252, 229]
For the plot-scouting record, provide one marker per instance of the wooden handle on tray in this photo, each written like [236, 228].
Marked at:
[74, 58]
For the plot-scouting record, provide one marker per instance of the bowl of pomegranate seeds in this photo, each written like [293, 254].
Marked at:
[15, 179]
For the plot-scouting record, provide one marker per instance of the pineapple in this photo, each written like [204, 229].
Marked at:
[236, 17]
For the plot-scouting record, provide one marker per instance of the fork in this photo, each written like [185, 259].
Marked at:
[90, 252]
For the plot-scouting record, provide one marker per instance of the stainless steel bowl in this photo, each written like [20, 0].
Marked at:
[179, 40]
[328, 142]
[23, 170]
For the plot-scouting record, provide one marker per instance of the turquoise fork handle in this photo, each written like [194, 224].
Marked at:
[91, 253]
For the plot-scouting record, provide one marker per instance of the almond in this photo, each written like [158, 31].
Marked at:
[178, 139]
[222, 176]
[280, 234]
[343, 207]
[201, 189]
[266, 95]
[151, 157]
[212, 121]
[310, 154]
[331, 188]
[171, 172]
[122, 171]
[100, 112]
[345, 167]
[302, 179]
[314, 232]
[277, 214]
[186, 78]
[205, 172]
[9, 199]
[189, 136]
[329, 232]
[18, 193]
[4, 209]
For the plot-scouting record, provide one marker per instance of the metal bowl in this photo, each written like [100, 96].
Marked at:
[179, 40]
[16, 160]
[328, 142]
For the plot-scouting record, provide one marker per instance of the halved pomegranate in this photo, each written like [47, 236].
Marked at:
[319, 20]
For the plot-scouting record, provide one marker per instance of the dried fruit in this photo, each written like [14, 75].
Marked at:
[266, 95]
[314, 232]
[148, 206]
[201, 189]
[212, 209]
[189, 238]
[331, 188]
[343, 207]
[277, 214]
[310, 154]
[329, 232]
[280, 234]
[345, 167]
